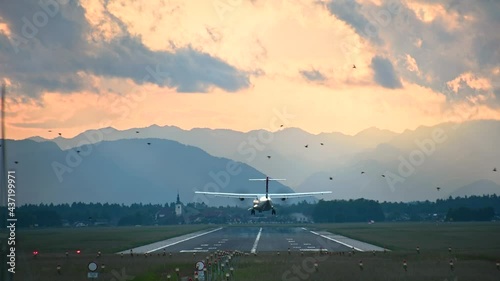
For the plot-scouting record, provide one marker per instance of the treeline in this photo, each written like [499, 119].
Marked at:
[467, 214]
[417, 211]
[47, 215]
[475, 208]
[348, 211]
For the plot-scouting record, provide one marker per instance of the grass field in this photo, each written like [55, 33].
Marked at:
[90, 240]
[478, 240]
[475, 248]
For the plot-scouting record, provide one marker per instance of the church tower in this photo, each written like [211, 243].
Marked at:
[178, 206]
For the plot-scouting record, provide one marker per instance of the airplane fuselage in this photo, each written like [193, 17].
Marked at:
[263, 204]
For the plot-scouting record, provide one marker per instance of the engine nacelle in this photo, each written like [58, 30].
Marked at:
[283, 199]
[241, 199]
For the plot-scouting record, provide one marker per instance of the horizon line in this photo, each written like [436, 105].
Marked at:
[249, 131]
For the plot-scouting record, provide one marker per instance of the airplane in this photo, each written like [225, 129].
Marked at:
[263, 202]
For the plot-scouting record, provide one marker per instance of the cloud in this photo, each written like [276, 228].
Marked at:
[55, 49]
[350, 12]
[313, 75]
[384, 74]
[444, 38]
[93, 57]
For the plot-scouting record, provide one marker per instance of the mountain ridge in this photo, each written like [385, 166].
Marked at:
[452, 155]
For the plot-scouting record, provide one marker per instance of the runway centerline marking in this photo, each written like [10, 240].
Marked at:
[254, 248]
[326, 237]
[183, 240]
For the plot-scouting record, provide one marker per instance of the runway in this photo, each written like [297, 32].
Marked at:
[256, 239]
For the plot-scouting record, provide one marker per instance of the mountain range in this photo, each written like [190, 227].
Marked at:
[125, 171]
[407, 166]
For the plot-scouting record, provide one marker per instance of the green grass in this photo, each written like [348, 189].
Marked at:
[381, 267]
[473, 239]
[265, 267]
[93, 239]
[475, 248]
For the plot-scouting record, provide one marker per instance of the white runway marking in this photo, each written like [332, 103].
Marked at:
[254, 248]
[183, 240]
[194, 251]
[326, 237]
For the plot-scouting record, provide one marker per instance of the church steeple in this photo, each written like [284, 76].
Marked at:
[178, 206]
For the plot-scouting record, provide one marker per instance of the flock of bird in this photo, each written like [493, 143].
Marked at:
[268, 156]
[362, 172]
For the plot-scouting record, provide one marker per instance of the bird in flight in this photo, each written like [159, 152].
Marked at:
[362, 172]
[321, 143]
[331, 178]
[60, 134]
[353, 66]
[136, 132]
[383, 176]
[494, 169]
[438, 188]
[269, 156]
[306, 146]
[16, 162]
[281, 126]
[78, 151]
[149, 143]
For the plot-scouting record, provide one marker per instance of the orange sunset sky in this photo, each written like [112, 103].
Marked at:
[73, 65]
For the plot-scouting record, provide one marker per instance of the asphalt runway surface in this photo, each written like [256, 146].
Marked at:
[254, 239]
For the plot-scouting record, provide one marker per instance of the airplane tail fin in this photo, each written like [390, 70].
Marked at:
[267, 179]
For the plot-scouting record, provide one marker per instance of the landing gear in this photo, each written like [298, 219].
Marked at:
[273, 212]
[252, 212]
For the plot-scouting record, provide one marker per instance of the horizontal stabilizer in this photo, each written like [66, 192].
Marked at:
[267, 179]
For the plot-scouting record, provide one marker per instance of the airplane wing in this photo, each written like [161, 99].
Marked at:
[230, 195]
[298, 194]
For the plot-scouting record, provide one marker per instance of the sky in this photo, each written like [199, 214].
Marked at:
[75, 65]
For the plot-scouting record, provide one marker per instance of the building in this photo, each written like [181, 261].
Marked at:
[178, 206]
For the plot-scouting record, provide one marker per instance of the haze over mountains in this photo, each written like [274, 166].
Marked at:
[458, 159]
[286, 145]
[124, 171]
